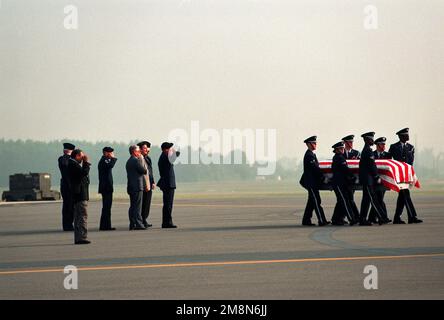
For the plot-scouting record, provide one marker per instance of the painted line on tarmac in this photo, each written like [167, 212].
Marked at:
[222, 263]
[219, 205]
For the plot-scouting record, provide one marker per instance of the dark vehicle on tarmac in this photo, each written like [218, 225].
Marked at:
[30, 187]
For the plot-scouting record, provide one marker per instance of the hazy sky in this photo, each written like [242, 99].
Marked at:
[137, 69]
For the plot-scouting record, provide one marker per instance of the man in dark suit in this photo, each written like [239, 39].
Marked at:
[342, 178]
[145, 148]
[368, 177]
[350, 153]
[68, 206]
[379, 153]
[167, 182]
[311, 180]
[106, 187]
[136, 173]
[404, 152]
[78, 169]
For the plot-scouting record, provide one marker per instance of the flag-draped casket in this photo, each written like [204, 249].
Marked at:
[395, 175]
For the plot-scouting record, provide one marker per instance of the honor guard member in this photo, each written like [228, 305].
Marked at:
[342, 178]
[145, 148]
[379, 153]
[350, 153]
[106, 187]
[68, 206]
[369, 178]
[405, 152]
[167, 182]
[311, 180]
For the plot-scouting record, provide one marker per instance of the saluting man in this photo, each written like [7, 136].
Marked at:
[350, 153]
[106, 187]
[78, 169]
[379, 153]
[405, 152]
[369, 178]
[167, 182]
[342, 178]
[65, 188]
[311, 180]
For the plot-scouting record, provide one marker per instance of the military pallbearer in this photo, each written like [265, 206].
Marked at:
[369, 178]
[311, 180]
[343, 178]
[404, 152]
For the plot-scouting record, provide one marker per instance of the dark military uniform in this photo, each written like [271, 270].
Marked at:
[68, 205]
[106, 189]
[368, 176]
[380, 190]
[167, 183]
[404, 152]
[311, 180]
[342, 179]
[352, 154]
[79, 178]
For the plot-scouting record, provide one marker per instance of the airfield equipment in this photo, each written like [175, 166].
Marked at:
[30, 187]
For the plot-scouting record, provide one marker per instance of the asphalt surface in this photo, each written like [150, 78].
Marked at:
[233, 248]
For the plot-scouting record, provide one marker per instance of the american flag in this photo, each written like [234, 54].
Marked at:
[395, 175]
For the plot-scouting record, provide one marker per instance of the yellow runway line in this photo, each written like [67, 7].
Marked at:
[218, 205]
[221, 263]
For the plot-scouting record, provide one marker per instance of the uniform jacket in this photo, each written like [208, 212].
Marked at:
[352, 154]
[383, 155]
[404, 154]
[63, 166]
[79, 179]
[135, 171]
[368, 172]
[342, 176]
[106, 174]
[166, 170]
[312, 176]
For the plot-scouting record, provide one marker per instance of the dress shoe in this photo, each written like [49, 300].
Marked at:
[82, 242]
[323, 224]
[109, 229]
[308, 223]
[365, 223]
[337, 223]
[398, 221]
[415, 220]
[147, 225]
[353, 222]
[169, 226]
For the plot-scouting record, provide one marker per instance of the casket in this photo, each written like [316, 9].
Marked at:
[395, 175]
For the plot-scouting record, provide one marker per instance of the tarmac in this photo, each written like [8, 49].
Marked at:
[225, 248]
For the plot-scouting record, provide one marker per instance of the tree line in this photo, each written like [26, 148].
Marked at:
[21, 156]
